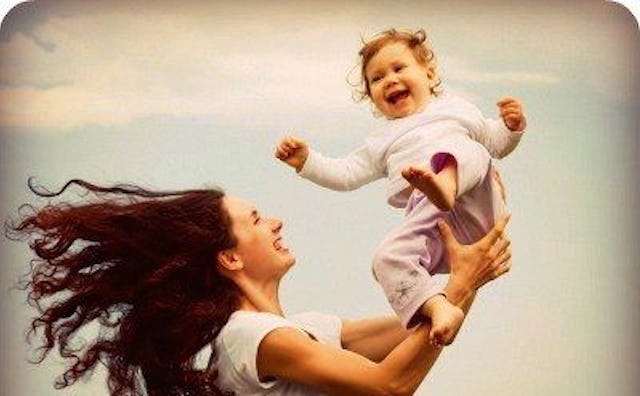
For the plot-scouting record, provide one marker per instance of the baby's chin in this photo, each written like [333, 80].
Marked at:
[399, 114]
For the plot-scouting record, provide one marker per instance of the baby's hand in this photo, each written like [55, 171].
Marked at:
[293, 151]
[512, 113]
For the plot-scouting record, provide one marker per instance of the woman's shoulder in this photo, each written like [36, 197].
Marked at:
[237, 343]
[244, 325]
[248, 328]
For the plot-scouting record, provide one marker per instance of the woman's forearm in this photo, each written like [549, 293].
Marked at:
[460, 294]
[407, 365]
[287, 354]
[412, 360]
[373, 338]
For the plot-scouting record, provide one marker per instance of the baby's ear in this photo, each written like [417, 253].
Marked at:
[431, 72]
[229, 260]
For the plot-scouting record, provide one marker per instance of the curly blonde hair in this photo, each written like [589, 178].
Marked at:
[416, 41]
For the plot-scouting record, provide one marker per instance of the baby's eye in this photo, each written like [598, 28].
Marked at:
[399, 68]
[375, 79]
[257, 220]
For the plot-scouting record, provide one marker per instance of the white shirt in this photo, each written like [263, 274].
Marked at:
[403, 142]
[237, 349]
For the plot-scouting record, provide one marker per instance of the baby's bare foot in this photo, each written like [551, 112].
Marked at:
[426, 181]
[446, 320]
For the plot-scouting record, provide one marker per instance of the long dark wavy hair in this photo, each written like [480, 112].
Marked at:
[140, 263]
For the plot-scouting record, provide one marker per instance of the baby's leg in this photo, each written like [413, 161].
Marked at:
[445, 318]
[439, 187]
[403, 260]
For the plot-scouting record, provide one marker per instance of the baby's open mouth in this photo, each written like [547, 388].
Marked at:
[397, 96]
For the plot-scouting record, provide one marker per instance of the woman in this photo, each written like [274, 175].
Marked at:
[173, 276]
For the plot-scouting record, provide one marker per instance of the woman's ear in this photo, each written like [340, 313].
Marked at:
[229, 260]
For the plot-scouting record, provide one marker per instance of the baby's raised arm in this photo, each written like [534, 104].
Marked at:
[500, 137]
[340, 174]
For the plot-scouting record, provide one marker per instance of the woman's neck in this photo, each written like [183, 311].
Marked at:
[260, 298]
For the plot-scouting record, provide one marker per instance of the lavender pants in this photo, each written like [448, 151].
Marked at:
[406, 259]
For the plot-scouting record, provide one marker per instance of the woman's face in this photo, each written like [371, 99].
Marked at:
[260, 245]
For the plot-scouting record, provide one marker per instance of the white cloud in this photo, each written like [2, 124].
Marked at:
[469, 75]
[110, 69]
[225, 61]
[462, 70]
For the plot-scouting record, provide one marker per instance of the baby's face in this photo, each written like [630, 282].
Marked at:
[399, 85]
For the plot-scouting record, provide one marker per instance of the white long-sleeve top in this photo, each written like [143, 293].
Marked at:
[403, 142]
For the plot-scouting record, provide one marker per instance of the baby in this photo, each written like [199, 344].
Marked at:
[435, 150]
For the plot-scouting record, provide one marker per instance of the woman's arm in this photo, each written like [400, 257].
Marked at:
[290, 355]
[373, 338]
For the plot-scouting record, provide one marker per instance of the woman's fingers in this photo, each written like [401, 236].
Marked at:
[447, 235]
[502, 269]
[503, 257]
[496, 232]
[498, 179]
[502, 261]
[499, 247]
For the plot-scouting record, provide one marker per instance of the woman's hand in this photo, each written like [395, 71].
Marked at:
[474, 265]
[497, 179]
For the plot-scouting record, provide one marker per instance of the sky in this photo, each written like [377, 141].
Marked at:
[184, 94]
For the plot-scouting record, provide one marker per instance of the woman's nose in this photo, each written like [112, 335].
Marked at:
[277, 224]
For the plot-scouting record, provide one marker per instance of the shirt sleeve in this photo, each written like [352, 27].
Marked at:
[494, 135]
[342, 174]
[242, 340]
[326, 329]
[472, 160]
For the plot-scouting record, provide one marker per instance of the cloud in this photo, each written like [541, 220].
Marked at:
[461, 70]
[118, 62]
[110, 69]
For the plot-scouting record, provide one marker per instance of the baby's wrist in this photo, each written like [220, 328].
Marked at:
[522, 125]
[302, 163]
[300, 166]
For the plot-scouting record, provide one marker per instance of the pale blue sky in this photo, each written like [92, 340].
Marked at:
[174, 94]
